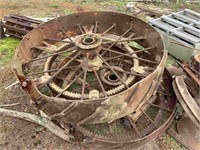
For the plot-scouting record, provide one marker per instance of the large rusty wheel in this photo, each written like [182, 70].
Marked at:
[91, 67]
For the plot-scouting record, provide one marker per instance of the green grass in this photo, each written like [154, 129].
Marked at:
[68, 11]
[118, 4]
[54, 5]
[171, 62]
[7, 48]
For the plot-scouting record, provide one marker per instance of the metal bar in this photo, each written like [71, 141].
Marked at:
[58, 53]
[159, 92]
[120, 37]
[57, 40]
[87, 118]
[131, 53]
[134, 126]
[117, 39]
[63, 112]
[110, 28]
[69, 84]
[13, 28]
[52, 70]
[26, 19]
[85, 86]
[149, 118]
[141, 59]
[129, 73]
[14, 35]
[100, 83]
[8, 19]
[2, 34]
[68, 36]
[189, 72]
[42, 48]
[63, 67]
[84, 78]
[158, 106]
[91, 28]
[36, 73]
[80, 29]
[112, 70]
[178, 138]
[125, 40]
[96, 26]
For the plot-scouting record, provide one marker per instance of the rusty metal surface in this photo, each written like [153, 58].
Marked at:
[92, 44]
[18, 26]
[125, 134]
[189, 103]
[187, 129]
[2, 34]
[195, 64]
[179, 138]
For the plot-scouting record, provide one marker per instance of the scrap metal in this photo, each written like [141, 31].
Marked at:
[17, 26]
[98, 69]
[188, 99]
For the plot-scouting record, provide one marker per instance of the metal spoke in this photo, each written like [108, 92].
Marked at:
[57, 40]
[100, 83]
[46, 43]
[159, 92]
[134, 126]
[120, 37]
[96, 26]
[80, 29]
[158, 106]
[69, 84]
[110, 28]
[86, 86]
[42, 48]
[149, 118]
[141, 59]
[36, 73]
[68, 36]
[112, 70]
[117, 39]
[146, 49]
[87, 118]
[84, 78]
[58, 53]
[129, 73]
[63, 112]
[125, 40]
[57, 72]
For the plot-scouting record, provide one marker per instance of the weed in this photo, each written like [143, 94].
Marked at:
[54, 5]
[171, 62]
[7, 47]
[68, 11]
[118, 4]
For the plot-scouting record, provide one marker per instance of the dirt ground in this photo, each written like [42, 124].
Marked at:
[17, 134]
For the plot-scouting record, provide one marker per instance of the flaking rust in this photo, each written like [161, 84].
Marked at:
[107, 68]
